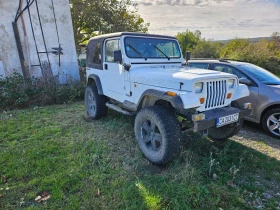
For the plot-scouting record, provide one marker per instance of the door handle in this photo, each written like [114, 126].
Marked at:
[106, 66]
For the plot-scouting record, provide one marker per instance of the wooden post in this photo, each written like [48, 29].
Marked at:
[20, 52]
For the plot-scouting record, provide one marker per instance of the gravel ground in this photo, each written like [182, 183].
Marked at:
[254, 137]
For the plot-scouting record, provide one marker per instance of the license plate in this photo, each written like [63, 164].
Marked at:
[227, 120]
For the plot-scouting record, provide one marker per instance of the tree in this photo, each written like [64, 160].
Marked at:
[188, 40]
[264, 53]
[207, 49]
[92, 17]
[235, 49]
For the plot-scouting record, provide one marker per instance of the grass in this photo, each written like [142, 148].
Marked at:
[97, 165]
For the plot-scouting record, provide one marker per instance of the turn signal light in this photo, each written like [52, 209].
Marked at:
[247, 106]
[171, 93]
[202, 100]
[229, 95]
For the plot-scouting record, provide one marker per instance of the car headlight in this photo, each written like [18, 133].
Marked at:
[198, 87]
[231, 83]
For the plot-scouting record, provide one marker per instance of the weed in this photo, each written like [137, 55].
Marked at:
[17, 93]
[53, 151]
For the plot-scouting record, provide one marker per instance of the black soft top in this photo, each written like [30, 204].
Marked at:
[94, 48]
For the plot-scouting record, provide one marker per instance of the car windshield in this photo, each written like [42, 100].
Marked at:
[143, 47]
[261, 74]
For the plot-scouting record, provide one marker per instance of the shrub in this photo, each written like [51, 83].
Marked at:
[264, 53]
[206, 49]
[17, 93]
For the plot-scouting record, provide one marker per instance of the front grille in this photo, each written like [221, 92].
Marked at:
[216, 93]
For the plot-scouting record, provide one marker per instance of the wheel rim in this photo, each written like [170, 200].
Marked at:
[151, 135]
[91, 104]
[273, 124]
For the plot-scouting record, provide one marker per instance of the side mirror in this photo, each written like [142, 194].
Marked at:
[118, 56]
[245, 81]
[188, 56]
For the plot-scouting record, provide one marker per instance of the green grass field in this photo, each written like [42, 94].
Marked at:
[97, 165]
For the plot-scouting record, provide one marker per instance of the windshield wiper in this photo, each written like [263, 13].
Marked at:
[161, 52]
[137, 51]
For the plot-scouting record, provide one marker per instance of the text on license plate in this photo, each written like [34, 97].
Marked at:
[227, 120]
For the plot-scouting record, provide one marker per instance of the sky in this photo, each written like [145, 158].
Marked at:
[216, 19]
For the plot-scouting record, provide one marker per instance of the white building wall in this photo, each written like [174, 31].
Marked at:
[68, 69]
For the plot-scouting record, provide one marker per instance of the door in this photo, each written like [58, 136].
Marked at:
[114, 70]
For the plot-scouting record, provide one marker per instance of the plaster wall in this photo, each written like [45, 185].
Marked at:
[9, 58]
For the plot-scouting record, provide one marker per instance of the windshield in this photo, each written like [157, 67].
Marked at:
[261, 74]
[142, 47]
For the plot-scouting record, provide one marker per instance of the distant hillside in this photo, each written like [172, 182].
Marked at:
[250, 39]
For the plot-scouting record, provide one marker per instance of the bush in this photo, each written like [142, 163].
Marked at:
[17, 93]
[264, 53]
[206, 49]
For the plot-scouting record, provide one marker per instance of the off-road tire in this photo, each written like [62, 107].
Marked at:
[95, 103]
[269, 119]
[158, 134]
[225, 132]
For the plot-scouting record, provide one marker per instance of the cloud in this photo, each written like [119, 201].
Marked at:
[145, 3]
[216, 19]
[201, 2]
[169, 2]
[184, 2]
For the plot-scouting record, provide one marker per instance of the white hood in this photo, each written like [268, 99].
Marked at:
[173, 77]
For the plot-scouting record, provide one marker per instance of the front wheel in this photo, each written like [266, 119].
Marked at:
[271, 122]
[158, 134]
[225, 132]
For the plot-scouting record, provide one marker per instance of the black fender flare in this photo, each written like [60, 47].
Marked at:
[97, 83]
[175, 101]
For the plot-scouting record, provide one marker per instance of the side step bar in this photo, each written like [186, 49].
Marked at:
[119, 109]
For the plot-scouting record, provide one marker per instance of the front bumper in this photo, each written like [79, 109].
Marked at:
[212, 115]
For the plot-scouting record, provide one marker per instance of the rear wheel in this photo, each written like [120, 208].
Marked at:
[271, 122]
[95, 103]
[158, 134]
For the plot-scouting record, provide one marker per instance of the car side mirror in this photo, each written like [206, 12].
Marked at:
[118, 56]
[245, 81]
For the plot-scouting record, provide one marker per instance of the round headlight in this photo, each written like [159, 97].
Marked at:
[198, 87]
[231, 83]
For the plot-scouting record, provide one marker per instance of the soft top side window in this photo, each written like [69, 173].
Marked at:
[97, 54]
[111, 46]
[94, 54]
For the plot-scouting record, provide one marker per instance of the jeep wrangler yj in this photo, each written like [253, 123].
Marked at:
[145, 75]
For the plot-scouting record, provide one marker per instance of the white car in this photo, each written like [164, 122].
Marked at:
[145, 75]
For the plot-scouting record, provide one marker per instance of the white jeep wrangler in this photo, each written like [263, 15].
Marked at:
[145, 75]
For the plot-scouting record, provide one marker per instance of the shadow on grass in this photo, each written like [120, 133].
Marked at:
[207, 175]
[98, 165]
[211, 175]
